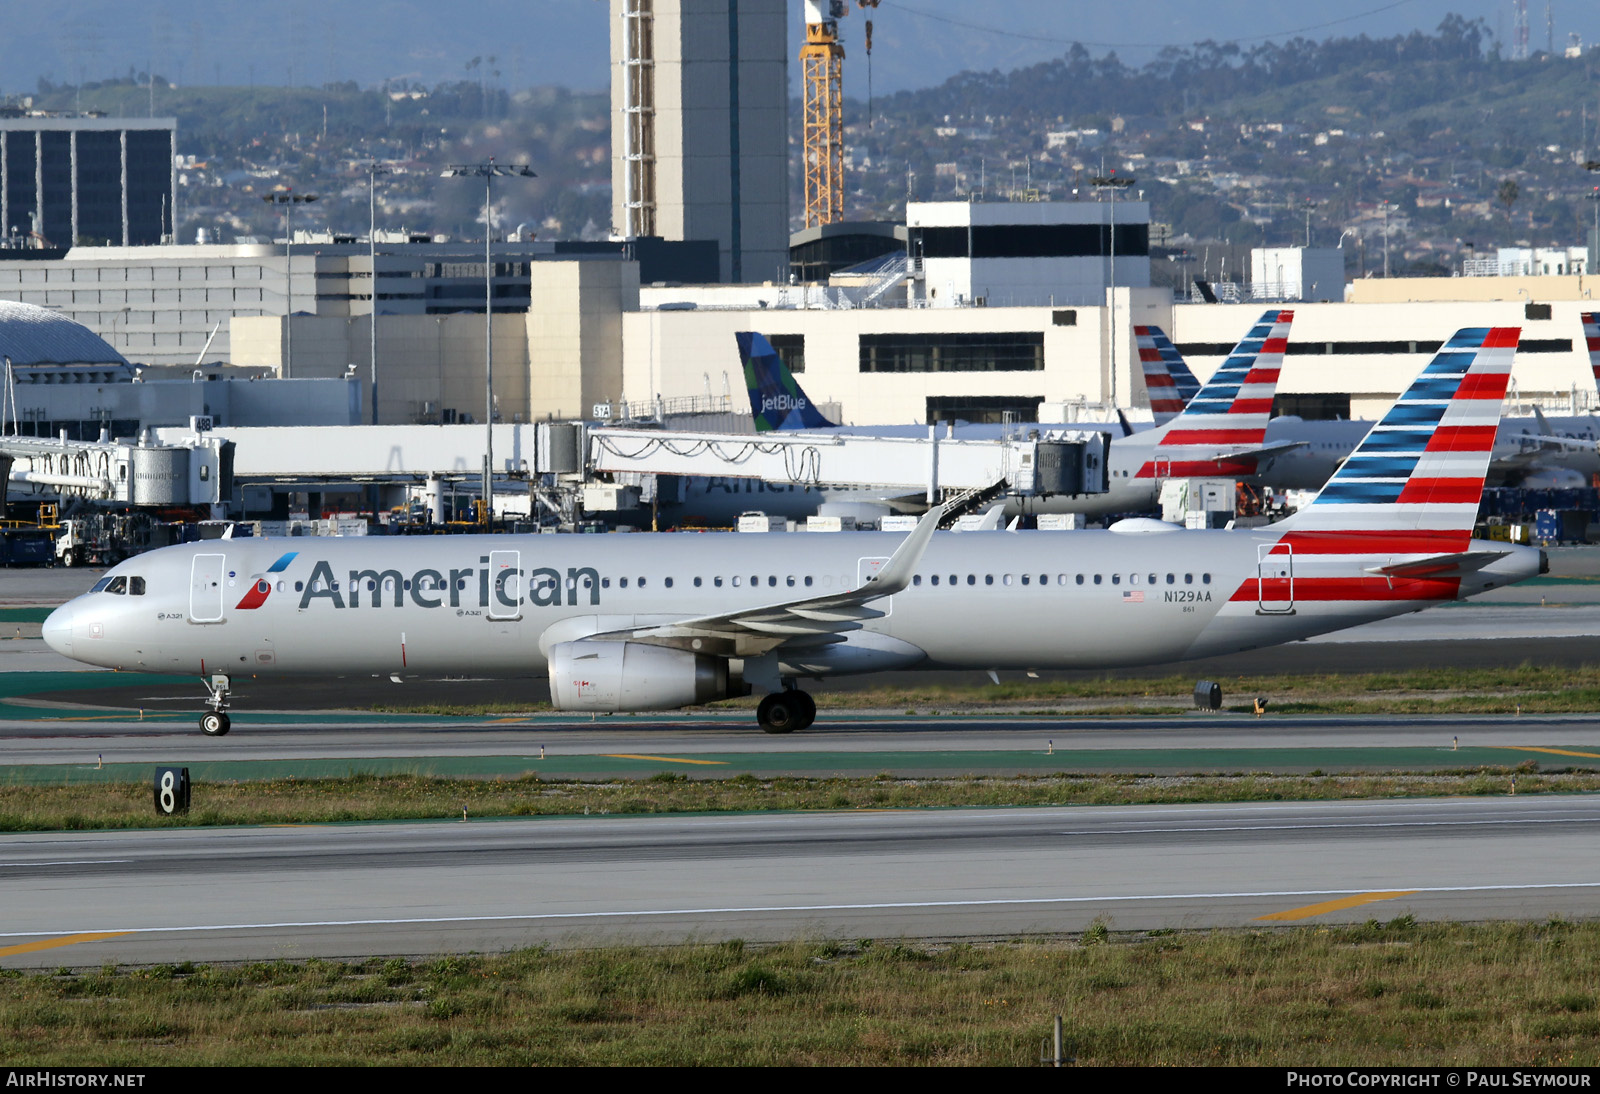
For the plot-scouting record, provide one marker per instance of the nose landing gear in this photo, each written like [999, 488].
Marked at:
[215, 722]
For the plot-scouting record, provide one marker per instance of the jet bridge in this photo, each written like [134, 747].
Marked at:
[195, 473]
[1037, 463]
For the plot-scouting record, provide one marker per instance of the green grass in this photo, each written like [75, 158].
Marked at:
[35, 808]
[1526, 688]
[1375, 995]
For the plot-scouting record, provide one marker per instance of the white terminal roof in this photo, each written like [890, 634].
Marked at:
[31, 335]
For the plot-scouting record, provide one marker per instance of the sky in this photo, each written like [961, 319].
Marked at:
[916, 43]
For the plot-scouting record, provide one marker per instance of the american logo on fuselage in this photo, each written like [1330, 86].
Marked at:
[542, 587]
[261, 585]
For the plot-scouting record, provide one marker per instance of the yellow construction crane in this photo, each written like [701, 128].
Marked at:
[822, 59]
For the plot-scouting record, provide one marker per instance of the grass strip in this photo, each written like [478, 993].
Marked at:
[31, 808]
[1392, 994]
[1527, 688]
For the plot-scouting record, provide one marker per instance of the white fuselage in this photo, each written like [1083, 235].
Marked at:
[495, 605]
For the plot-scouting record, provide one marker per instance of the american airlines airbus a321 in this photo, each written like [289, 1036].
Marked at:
[655, 622]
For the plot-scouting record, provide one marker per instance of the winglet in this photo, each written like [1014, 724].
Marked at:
[895, 575]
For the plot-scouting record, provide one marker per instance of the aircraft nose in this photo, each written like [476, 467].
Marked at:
[57, 630]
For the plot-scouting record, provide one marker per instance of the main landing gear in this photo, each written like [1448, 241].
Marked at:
[786, 711]
[215, 722]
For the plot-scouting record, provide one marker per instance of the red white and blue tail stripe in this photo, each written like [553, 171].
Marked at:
[1393, 526]
[1422, 467]
[1168, 380]
[1591, 335]
[1223, 428]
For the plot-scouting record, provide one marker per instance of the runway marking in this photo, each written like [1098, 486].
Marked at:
[660, 759]
[1335, 905]
[55, 943]
[656, 913]
[67, 862]
[121, 716]
[1553, 751]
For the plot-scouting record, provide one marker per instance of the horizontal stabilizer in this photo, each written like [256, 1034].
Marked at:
[1463, 562]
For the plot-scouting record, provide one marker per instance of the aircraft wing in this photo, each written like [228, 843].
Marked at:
[813, 621]
[1264, 453]
[1439, 565]
[1539, 447]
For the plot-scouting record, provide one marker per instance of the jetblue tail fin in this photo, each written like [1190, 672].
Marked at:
[1167, 379]
[776, 400]
[1223, 429]
[1422, 467]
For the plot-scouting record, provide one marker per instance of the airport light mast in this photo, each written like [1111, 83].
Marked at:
[487, 171]
[288, 199]
[1114, 183]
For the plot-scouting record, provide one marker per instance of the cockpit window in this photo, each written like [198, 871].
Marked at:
[119, 585]
[100, 586]
[136, 586]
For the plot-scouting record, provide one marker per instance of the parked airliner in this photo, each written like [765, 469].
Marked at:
[1529, 449]
[1221, 432]
[655, 622]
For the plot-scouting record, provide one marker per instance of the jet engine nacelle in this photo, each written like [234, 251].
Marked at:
[615, 676]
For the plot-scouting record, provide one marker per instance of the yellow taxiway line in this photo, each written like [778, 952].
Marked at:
[1334, 905]
[661, 759]
[55, 943]
[1553, 751]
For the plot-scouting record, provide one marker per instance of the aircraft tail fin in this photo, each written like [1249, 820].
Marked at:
[1167, 378]
[1422, 467]
[1225, 424]
[776, 399]
[1591, 335]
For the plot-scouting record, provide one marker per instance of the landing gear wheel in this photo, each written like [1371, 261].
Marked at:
[808, 708]
[779, 713]
[214, 722]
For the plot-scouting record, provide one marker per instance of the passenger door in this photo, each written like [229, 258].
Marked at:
[505, 581]
[1274, 579]
[205, 588]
